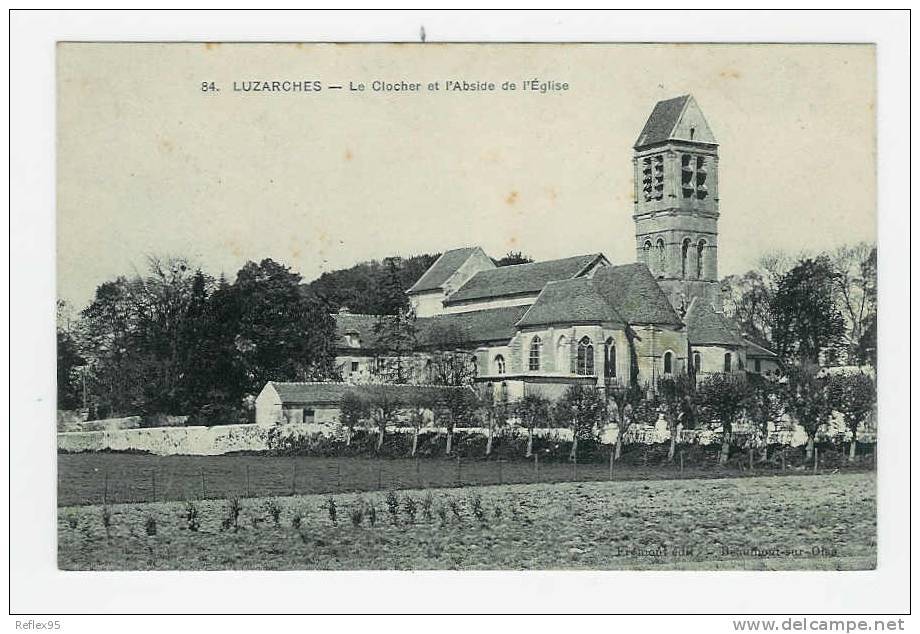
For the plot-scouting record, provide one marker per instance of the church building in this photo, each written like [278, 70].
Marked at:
[584, 319]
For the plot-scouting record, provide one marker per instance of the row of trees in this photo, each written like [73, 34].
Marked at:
[812, 305]
[174, 340]
[806, 395]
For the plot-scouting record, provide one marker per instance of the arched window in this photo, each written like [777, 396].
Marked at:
[700, 249]
[668, 362]
[646, 255]
[562, 355]
[728, 362]
[536, 347]
[659, 246]
[499, 364]
[585, 363]
[684, 250]
[610, 358]
[697, 362]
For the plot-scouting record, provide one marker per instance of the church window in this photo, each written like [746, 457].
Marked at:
[658, 190]
[585, 364]
[499, 364]
[647, 249]
[647, 178]
[701, 189]
[659, 246]
[697, 362]
[700, 251]
[536, 347]
[686, 175]
[728, 362]
[610, 358]
[668, 362]
[562, 355]
[684, 249]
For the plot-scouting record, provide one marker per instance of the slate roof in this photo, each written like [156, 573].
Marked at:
[331, 393]
[632, 290]
[620, 294]
[571, 301]
[754, 350]
[705, 326]
[661, 122]
[520, 279]
[442, 269]
[363, 325]
[474, 327]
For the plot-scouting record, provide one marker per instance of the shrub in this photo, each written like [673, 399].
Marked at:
[357, 514]
[411, 508]
[217, 414]
[393, 506]
[297, 520]
[498, 513]
[427, 502]
[191, 516]
[274, 511]
[476, 506]
[331, 508]
[150, 526]
[72, 520]
[442, 514]
[372, 515]
[106, 519]
[232, 520]
[456, 509]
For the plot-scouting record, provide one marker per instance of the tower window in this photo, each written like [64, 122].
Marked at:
[646, 250]
[700, 251]
[536, 347]
[659, 246]
[693, 175]
[585, 357]
[653, 177]
[684, 248]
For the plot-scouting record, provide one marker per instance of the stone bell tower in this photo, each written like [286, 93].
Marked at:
[676, 167]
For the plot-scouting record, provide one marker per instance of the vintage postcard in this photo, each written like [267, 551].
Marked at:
[466, 306]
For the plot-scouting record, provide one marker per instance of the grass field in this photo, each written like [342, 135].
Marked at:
[95, 478]
[817, 522]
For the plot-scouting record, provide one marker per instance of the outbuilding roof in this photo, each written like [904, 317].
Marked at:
[521, 279]
[353, 323]
[320, 393]
[445, 266]
[754, 350]
[705, 326]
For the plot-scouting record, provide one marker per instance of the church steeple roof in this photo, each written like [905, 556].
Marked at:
[678, 118]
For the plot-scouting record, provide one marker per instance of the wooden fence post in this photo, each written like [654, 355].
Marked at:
[293, 476]
[203, 490]
[751, 458]
[153, 481]
[611, 464]
[536, 463]
[379, 476]
[459, 473]
[682, 462]
[782, 458]
[418, 473]
[500, 479]
[815, 470]
[338, 476]
[105, 488]
[248, 484]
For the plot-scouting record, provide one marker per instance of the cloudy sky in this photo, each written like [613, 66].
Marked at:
[150, 164]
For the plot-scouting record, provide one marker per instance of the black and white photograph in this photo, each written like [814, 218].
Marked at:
[468, 307]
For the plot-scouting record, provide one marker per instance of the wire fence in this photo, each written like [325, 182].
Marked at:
[111, 478]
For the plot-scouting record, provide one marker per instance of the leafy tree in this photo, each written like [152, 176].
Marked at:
[853, 395]
[69, 364]
[806, 319]
[765, 407]
[807, 400]
[418, 406]
[677, 399]
[455, 405]
[385, 404]
[513, 257]
[282, 334]
[531, 408]
[623, 406]
[492, 410]
[856, 289]
[724, 398]
[354, 411]
[580, 408]
[449, 363]
[748, 300]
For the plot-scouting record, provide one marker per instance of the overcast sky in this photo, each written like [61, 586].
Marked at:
[147, 163]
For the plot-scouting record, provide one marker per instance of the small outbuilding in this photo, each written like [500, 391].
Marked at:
[320, 402]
